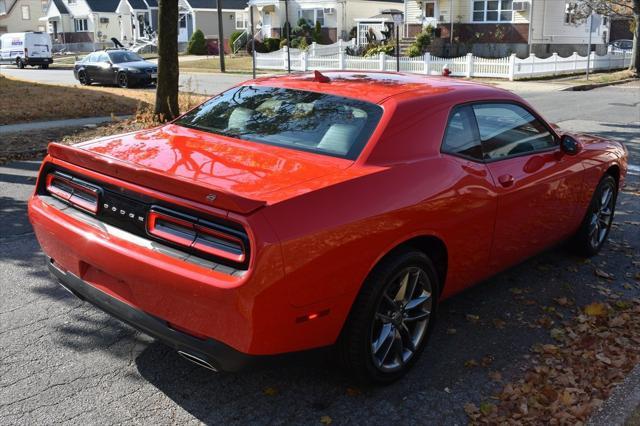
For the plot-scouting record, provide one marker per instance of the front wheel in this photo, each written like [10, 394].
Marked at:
[391, 319]
[20, 63]
[83, 78]
[123, 80]
[597, 222]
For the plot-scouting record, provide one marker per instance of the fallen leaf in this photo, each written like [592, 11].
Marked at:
[495, 376]
[602, 274]
[471, 363]
[557, 334]
[487, 408]
[326, 420]
[473, 318]
[498, 323]
[595, 309]
[603, 358]
[353, 391]
[451, 331]
[270, 391]
[562, 301]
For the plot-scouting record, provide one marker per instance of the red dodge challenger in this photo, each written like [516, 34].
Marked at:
[296, 212]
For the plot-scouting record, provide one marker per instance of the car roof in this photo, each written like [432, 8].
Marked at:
[376, 87]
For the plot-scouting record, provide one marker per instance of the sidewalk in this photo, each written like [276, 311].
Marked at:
[623, 406]
[54, 124]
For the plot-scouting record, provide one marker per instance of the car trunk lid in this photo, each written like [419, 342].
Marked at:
[234, 175]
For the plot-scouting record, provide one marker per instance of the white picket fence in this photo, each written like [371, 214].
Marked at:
[333, 57]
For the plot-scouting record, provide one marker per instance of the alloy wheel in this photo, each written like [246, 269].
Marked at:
[401, 319]
[601, 217]
[82, 77]
[123, 80]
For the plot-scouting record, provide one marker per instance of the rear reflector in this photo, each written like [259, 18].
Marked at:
[74, 191]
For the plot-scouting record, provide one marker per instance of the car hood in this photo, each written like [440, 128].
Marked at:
[193, 164]
[137, 64]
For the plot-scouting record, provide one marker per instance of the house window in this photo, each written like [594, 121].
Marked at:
[3, 7]
[242, 22]
[80, 25]
[312, 15]
[493, 10]
[26, 13]
[44, 4]
[570, 13]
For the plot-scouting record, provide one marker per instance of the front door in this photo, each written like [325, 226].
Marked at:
[183, 30]
[266, 24]
[431, 13]
[537, 185]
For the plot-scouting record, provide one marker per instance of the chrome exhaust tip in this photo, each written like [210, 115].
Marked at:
[197, 360]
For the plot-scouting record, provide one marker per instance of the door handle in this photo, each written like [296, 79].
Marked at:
[506, 180]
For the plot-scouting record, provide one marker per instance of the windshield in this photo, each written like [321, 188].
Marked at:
[296, 119]
[123, 56]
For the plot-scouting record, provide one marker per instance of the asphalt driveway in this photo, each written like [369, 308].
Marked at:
[62, 360]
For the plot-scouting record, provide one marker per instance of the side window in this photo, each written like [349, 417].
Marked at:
[507, 130]
[461, 136]
[90, 58]
[103, 57]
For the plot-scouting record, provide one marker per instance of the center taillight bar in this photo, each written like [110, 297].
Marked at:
[73, 191]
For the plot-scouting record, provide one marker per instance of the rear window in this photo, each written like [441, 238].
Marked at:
[306, 121]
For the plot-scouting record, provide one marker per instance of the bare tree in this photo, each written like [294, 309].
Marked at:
[616, 9]
[168, 72]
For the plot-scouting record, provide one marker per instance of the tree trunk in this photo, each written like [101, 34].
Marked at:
[168, 73]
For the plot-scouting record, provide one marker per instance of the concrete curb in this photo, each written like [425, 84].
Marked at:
[55, 124]
[623, 403]
[583, 87]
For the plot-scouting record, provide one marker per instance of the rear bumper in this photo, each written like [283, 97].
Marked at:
[38, 61]
[220, 356]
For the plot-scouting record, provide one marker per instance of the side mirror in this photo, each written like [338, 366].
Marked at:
[569, 145]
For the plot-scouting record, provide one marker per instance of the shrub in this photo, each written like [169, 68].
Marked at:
[197, 44]
[283, 43]
[234, 36]
[303, 44]
[413, 51]
[271, 44]
[317, 33]
[213, 48]
[374, 50]
[260, 48]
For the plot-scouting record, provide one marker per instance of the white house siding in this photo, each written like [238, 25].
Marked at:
[551, 34]
[13, 22]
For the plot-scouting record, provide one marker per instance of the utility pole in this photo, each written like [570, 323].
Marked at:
[220, 37]
[253, 44]
[451, 19]
[589, 44]
[288, 30]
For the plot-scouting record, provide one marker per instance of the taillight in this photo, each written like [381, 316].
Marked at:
[74, 191]
[187, 231]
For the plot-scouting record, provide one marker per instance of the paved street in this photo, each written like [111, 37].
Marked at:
[205, 83]
[63, 361]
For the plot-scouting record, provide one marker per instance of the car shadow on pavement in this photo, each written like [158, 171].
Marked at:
[484, 330]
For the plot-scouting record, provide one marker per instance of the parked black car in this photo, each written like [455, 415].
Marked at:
[115, 66]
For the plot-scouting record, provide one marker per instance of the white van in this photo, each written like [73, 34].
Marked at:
[22, 49]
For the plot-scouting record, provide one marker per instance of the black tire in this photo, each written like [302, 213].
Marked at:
[44, 66]
[20, 63]
[355, 347]
[83, 78]
[597, 220]
[122, 80]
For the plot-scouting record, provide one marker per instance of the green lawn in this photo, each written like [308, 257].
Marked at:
[212, 64]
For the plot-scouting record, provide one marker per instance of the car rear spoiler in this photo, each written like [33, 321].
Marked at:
[175, 186]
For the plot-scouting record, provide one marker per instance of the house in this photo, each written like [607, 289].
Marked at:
[336, 17]
[500, 27]
[89, 24]
[18, 16]
[138, 19]
[203, 15]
